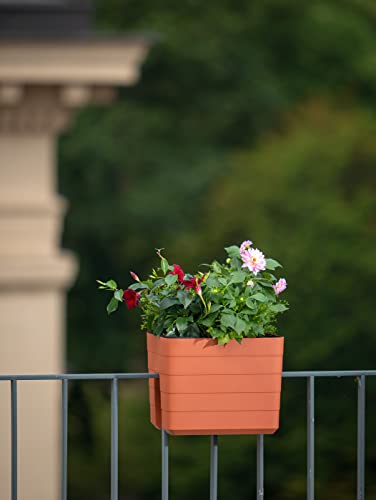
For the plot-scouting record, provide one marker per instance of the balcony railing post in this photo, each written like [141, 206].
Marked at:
[64, 439]
[260, 467]
[213, 467]
[361, 436]
[311, 438]
[114, 439]
[14, 444]
[164, 465]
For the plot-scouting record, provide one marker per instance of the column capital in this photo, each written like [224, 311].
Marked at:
[45, 109]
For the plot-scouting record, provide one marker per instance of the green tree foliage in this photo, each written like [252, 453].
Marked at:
[254, 119]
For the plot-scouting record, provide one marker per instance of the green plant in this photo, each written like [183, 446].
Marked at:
[233, 300]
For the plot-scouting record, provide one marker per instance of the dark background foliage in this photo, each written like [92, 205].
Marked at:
[251, 120]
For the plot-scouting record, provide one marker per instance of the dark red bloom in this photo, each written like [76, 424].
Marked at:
[179, 272]
[131, 298]
[193, 283]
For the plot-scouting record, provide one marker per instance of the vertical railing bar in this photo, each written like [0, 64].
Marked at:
[114, 439]
[361, 437]
[14, 459]
[213, 467]
[260, 467]
[64, 439]
[310, 438]
[164, 465]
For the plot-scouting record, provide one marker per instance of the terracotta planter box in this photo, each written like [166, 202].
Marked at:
[206, 388]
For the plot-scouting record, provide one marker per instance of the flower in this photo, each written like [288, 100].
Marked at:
[254, 259]
[251, 283]
[194, 283]
[134, 276]
[131, 298]
[179, 272]
[280, 286]
[245, 245]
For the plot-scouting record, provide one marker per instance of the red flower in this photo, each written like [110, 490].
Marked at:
[179, 272]
[131, 298]
[193, 283]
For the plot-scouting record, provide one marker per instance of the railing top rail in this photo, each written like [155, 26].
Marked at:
[81, 376]
[329, 373]
[121, 376]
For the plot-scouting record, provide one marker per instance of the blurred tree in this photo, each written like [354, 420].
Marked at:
[251, 120]
[137, 173]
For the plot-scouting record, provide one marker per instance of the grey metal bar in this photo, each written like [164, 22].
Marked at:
[260, 467]
[14, 458]
[64, 439]
[213, 467]
[311, 438]
[164, 465]
[330, 373]
[124, 376]
[114, 439]
[361, 437]
[81, 376]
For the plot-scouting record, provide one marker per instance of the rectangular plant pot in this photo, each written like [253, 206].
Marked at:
[206, 388]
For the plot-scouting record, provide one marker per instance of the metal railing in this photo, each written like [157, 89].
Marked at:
[310, 376]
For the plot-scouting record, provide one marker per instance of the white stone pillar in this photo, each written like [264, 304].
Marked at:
[41, 83]
[34, 276]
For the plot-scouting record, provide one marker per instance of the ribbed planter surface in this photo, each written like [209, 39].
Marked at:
[206, 388]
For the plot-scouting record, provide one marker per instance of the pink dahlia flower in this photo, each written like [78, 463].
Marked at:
[244, 246]
[280, 286]
[254, 259]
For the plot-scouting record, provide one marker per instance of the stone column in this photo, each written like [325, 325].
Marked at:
[34, 276]
[42, 81]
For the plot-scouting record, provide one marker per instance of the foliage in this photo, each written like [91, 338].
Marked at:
[226, 303]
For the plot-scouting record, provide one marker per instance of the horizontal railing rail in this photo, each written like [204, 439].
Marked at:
[310, 376]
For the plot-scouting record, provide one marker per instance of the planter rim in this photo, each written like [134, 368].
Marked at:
[213, 339]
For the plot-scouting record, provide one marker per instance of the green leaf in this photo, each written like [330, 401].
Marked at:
[166, 303]
[228, 320]
[278, 308]
[156, 283]
[164, 265]
[111, 284]
[170, 279]
[138, 286]
[240, 326]
[259, 296]
[238, 277]
[233, 251]
[272, 264]
[192, 331]
[250, 303]
[216, 267]
[215, 307]
[171, 333]
[212, 282]
[209, 320]
[182, 324]
[112, 305]
[184, 298]
[224, 339]
[118, 295]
